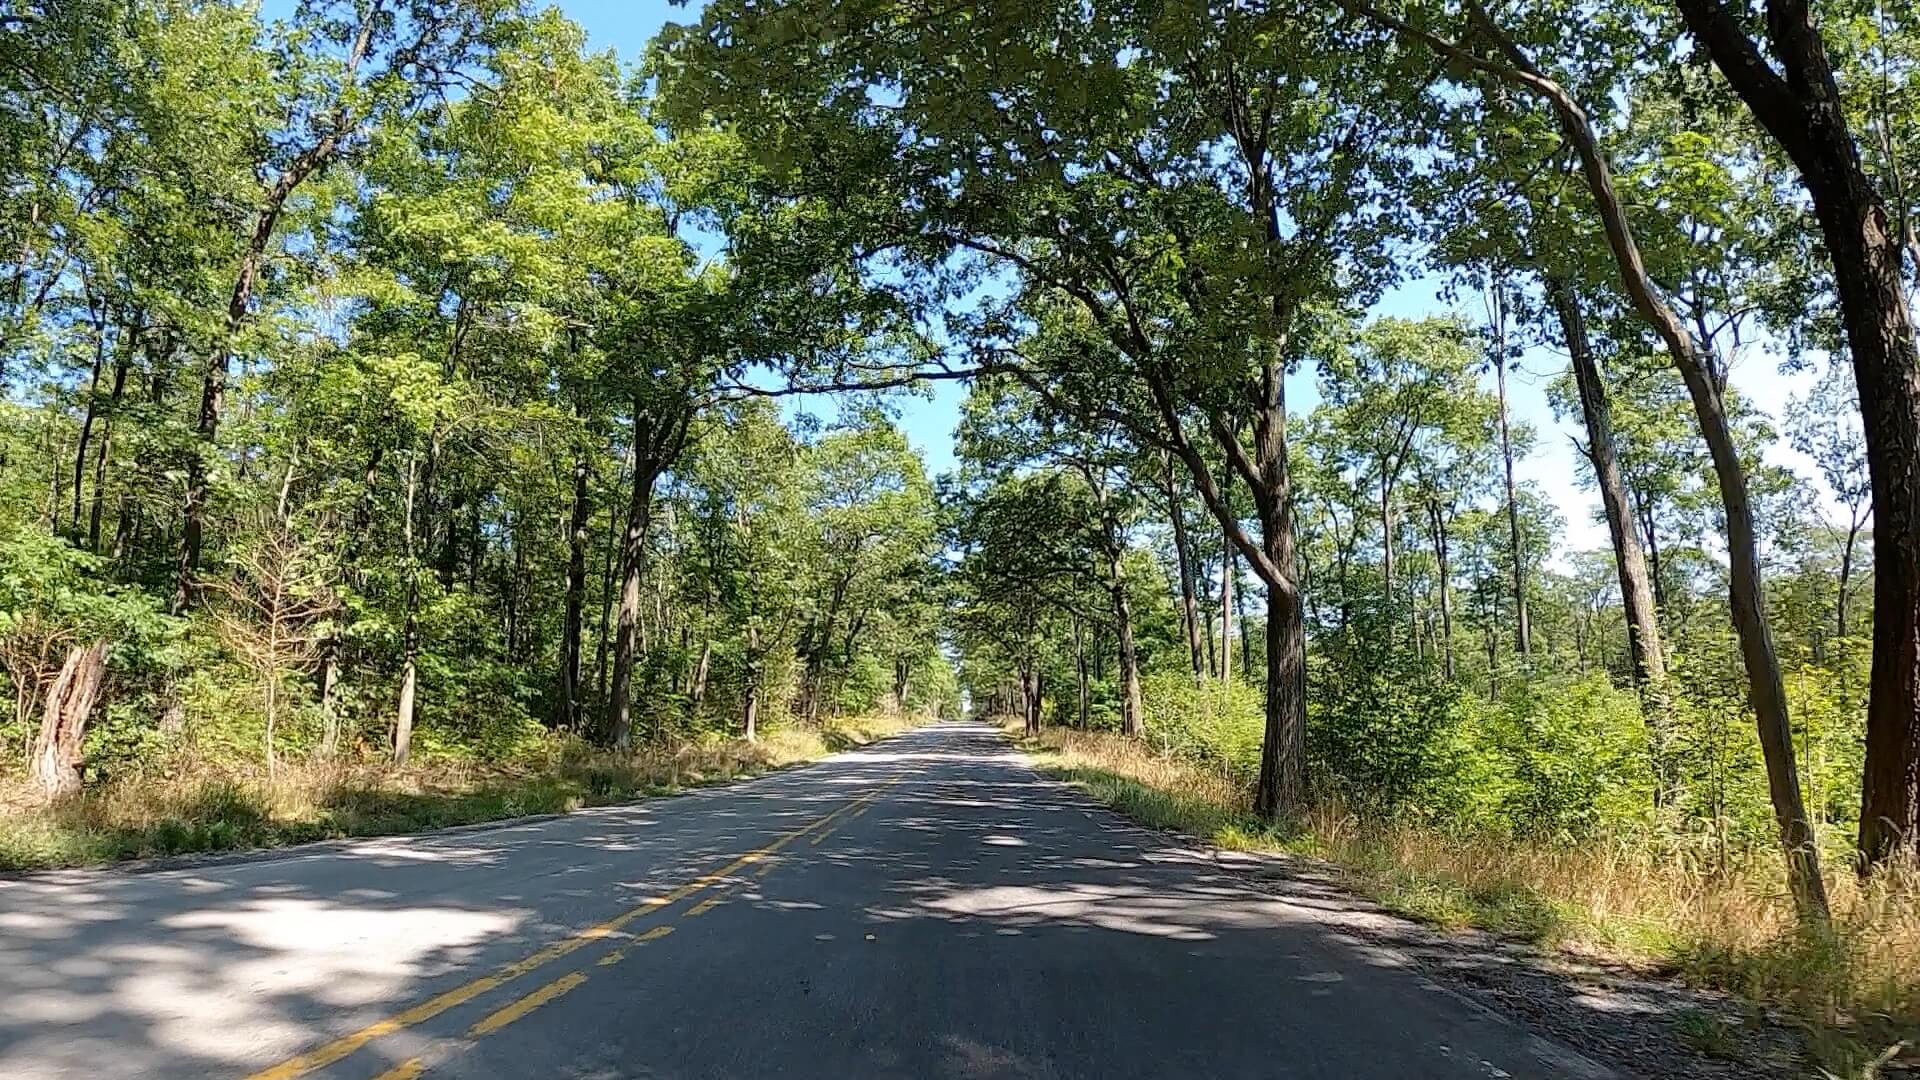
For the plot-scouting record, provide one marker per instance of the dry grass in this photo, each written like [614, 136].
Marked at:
[1856, 989]
[205, 810]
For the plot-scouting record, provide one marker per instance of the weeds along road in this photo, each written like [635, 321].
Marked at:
[925, 907]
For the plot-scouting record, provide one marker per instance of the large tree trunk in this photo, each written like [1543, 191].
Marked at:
[633, 554]
[571, 695]
[1644, 644]
[656, 442]
[1183, 555]
[57, 752]
[750, 707]
[1804, 112]
[902, 670]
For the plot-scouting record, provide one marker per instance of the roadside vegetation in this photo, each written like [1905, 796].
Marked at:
[214, 810]
[1636, 898]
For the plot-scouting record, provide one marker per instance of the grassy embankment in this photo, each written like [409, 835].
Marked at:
[206, 810]
[1856, 991]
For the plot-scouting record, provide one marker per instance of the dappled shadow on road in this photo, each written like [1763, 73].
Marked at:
[985, 857]
[222, 966]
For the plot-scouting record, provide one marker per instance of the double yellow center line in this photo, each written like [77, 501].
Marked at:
[329, 1053]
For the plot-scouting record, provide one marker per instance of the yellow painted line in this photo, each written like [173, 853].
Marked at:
[702, 907]
[507, 1014]
[406, 1070]
[618, 955]
[328, 1053]
[867, 804]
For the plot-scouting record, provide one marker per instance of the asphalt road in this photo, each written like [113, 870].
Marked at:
[927, 907]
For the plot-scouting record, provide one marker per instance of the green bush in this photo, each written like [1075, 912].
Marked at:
[1218, 723]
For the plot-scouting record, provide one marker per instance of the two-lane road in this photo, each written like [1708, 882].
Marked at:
[927, 907]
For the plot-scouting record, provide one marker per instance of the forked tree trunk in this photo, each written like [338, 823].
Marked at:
[58, 754]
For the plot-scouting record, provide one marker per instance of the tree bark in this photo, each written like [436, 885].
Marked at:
[571, 633]
[656, 442]
[1080, 673]
[58, 755]
[1436, 518]
[1522, 624]
[1182, 554]
[87, 419]
[403, 713]
[115, 396]
[1802, 108]
[1644, 644]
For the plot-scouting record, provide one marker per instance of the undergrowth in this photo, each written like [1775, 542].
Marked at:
[203, 810]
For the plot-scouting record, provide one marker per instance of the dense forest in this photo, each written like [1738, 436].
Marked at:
[392, 381]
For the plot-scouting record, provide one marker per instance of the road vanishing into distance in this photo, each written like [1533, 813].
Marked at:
[926, 907]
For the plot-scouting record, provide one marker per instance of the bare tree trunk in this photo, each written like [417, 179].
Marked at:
[606, 593]
[1131, 706]
[1644, 644]
[902, 670]
[697, 686]
[571, 698]
[1522, 626]
[655, 443]
[751, 706]
[1182, 554]
[403, 714]
[1846, 575]
[1226, 610]
[88, 416]
[57, 754]
[1246, 643]
[98, 508]
[329, 696]
[1080, 673]
[1386, 540]
[1436, 519]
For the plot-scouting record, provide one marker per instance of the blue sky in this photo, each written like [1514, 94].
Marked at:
[1553, 467]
